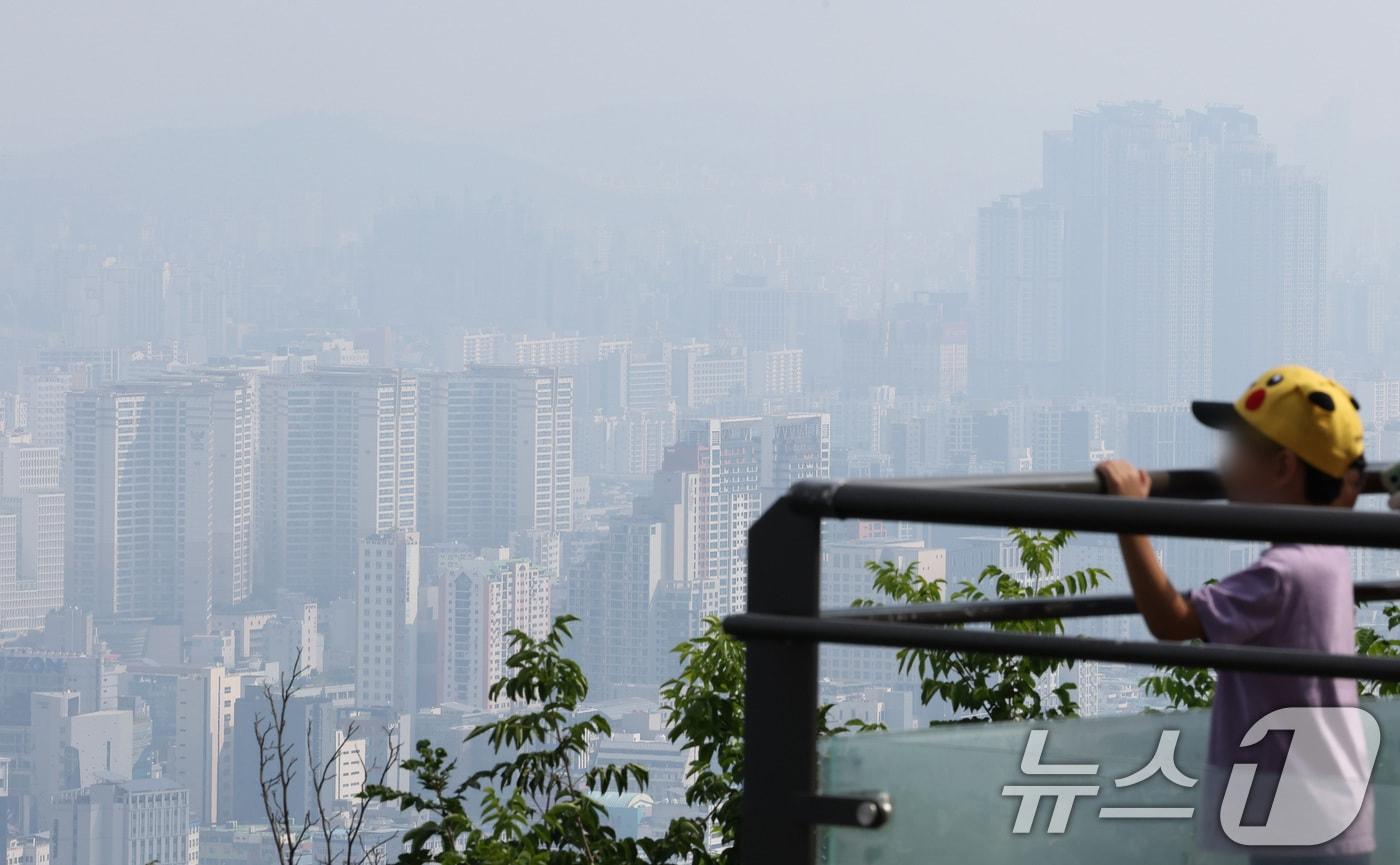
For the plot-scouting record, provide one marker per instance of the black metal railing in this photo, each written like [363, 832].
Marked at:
[784, 623]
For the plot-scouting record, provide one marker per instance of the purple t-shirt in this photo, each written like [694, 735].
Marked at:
[1295, 596]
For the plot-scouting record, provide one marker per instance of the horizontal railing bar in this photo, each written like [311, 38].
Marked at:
[1253, 659]
[1021, 609]
[1169, 483]
[1166, 483]
[963, 506]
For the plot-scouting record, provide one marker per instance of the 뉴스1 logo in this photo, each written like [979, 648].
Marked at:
[1316, 799]
[1320, 792]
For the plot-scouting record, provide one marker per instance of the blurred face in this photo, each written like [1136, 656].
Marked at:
[1352, 484]
[1255, 470]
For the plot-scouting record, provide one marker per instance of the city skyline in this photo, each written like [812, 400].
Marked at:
[362, 386]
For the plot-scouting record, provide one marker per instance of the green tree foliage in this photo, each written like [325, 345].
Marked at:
[537, 807]
[705, 711]
[1371, 642]
[988, 687]
[1181, 687]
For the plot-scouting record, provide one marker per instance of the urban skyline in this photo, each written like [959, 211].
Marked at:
[290, 390]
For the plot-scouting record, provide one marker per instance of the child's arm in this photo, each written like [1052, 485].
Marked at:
[1169, 616]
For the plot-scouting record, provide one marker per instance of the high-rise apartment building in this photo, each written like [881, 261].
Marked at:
[196, 307]
[711, 487]
[648, 384]
[1167, 436]
[117, 304]
[139, 477]
[1137, 185]
[92, 366]
[386, 609]
[796, 447]
[631, 444]
[480, 602]
[338, 462]
[45, 391]
[845, 578]
[709, 492]
[463, 347]
[1020, 287]
[1163, 251]
[14, 411]
[753, 311]
[233, 464]
[497, 454]
[32, 528]
[1061, 439]
[777, 372]
[702, 377]
[613, 591]
[554, 351]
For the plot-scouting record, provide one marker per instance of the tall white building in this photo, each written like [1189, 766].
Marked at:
[233, 463]
[338, 462]
[710, 489]
[709, 492]
[386, 610]
[31, 534]
[497, 447]
[45, 390]
[139, 476]
[202, 751]
[131, 823]
[480, 601]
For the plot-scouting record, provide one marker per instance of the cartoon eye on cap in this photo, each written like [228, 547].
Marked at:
[1274, 379]
[1322, 400]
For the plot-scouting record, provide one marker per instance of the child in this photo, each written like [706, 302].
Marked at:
[1294, 438]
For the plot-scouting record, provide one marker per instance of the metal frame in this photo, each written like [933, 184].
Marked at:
[784, 623]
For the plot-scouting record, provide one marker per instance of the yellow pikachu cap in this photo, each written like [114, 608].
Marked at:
[1299, 409]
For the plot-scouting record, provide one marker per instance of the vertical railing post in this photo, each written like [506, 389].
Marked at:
[780, 694]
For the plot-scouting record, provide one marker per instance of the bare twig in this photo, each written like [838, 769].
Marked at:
[372, 854]
[277, 765]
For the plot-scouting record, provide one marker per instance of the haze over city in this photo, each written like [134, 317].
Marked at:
[346, 338]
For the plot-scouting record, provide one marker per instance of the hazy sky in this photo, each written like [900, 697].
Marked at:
[81, 69]
[996, 72]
